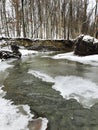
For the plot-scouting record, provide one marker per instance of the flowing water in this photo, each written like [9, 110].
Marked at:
[63, 91]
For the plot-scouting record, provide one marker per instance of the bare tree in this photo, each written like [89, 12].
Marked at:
[4, 18]
[48, 19]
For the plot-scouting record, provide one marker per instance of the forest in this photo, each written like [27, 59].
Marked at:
[47, 19]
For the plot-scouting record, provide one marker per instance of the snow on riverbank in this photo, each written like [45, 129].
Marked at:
[4, 64]
[23, 51]
[83, 90]
[26, 52]
[91, 59]
[10, 116]
[14, 117]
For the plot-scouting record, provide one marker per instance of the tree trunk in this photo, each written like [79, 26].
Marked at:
[23, 21]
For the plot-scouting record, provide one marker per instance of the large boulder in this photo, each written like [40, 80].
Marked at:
[86, 45]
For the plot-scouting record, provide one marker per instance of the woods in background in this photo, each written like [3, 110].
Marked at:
[47, 19]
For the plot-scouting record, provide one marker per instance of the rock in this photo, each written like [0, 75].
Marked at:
[35, 124]
[8, 54]
[14, 47]
[69, 43]
[86, 45]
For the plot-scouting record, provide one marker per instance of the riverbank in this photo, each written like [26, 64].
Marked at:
[39, 44]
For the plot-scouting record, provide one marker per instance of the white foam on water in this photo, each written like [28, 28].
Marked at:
[10, 116]
[83, 90]
[42, 76]
[91, 59]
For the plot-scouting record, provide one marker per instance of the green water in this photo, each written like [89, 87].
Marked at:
[44, 101]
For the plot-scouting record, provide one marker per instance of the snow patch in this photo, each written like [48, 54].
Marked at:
[25, 52]
[88, 38]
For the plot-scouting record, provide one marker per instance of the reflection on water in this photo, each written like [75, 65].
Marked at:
[25, 88]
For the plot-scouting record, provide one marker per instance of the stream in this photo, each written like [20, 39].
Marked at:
[63, 91]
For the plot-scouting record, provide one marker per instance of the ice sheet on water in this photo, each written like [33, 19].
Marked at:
[83, 90]
[4, 65]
